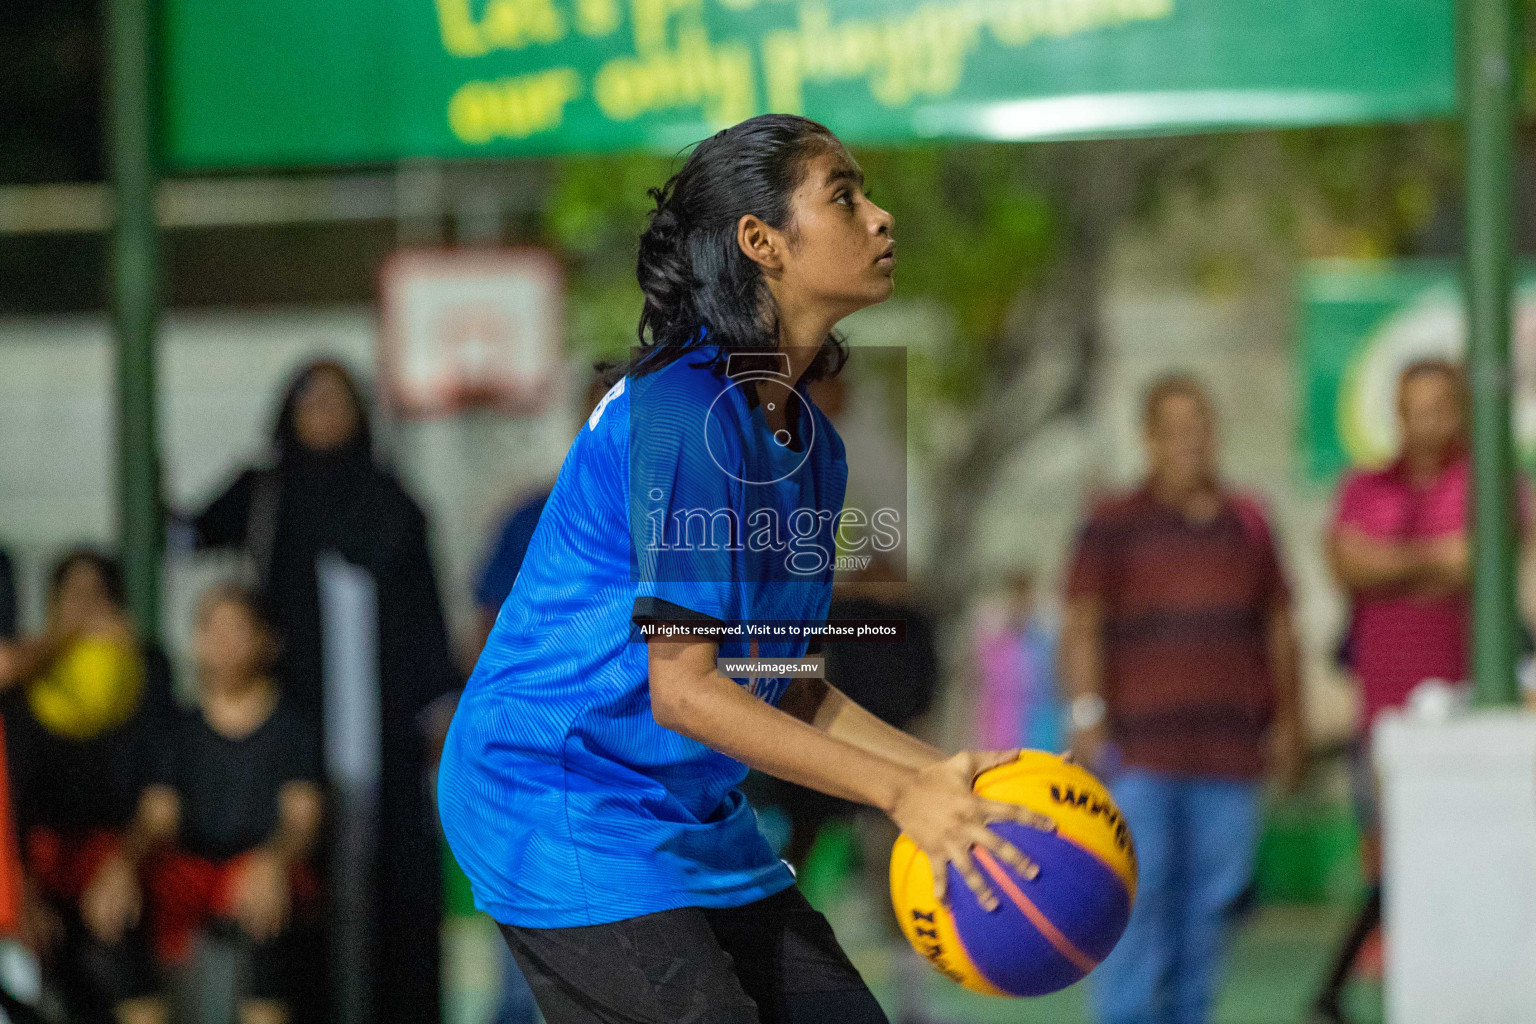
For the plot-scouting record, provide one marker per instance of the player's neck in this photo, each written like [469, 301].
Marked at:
[803, 330]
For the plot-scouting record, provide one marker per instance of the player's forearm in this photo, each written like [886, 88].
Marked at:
[721, 715]
[843, 718]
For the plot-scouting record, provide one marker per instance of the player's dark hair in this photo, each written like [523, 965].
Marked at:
[108, 569]
[699, 287]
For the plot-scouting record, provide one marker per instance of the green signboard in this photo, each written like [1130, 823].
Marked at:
[1361, 323]
[287, 82]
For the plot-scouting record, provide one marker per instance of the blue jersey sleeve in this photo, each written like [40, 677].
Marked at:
[685, 503]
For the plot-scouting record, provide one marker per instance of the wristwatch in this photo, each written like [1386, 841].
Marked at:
[1088, 711]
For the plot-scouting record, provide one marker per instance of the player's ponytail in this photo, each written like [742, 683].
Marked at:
[665, 272]
[696, 281]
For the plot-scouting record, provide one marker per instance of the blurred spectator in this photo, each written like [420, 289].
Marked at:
[506, 557]
[225, 826]
[326, 497]
[1180, 657]
[75, 731]
[1018, 703]
[1399, 548]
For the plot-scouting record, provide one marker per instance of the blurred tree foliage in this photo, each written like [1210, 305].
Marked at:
[1373, 192]
[594, 217]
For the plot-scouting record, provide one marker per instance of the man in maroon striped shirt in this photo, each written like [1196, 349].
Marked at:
[1180, 660]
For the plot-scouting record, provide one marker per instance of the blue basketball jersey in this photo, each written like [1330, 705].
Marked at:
[562, 799]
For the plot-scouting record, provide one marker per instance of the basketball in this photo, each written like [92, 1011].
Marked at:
[1046, 933]
[91, 688]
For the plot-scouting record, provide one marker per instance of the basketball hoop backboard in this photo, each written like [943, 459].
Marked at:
[474, 328]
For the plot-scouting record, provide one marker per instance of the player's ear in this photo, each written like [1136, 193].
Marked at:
[762, 244]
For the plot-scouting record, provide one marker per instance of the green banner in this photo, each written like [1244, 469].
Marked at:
[291, 82]
[1361, 323]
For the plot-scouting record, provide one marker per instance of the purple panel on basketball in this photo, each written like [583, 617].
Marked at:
[1046, 933]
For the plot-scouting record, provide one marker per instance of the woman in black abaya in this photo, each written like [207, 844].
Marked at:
[324, 511]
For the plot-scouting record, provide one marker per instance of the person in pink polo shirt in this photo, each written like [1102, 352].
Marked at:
[1398, 547]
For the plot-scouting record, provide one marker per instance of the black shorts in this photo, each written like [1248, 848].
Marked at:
[775, 961]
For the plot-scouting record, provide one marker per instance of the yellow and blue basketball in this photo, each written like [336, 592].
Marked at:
[1047, 932]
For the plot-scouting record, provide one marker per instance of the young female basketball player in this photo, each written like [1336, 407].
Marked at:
[588, 786]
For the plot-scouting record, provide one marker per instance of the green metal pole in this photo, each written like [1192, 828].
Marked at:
[1489, 75]
[135, 302]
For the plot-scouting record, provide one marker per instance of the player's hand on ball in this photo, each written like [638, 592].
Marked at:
[941, 814]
